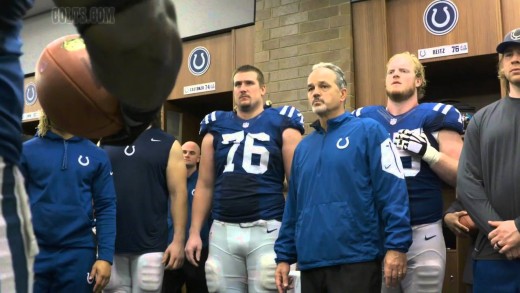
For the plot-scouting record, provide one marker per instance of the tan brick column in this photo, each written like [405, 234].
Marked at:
[293, 35]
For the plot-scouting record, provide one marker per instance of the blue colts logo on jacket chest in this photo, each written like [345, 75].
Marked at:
[83, 161]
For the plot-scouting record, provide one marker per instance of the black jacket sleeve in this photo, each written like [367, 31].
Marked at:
[136, 58]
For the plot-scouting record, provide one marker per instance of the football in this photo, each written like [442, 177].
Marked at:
[468, 222]
[70, 94]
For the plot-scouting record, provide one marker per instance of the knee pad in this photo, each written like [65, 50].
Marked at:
[267, 271]
[149, 271]
[429, 278]
[214, 278]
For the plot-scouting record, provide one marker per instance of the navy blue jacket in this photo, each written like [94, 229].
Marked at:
[71, 190]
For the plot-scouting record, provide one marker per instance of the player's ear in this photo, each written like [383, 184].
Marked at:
[263, 89]
[344, 93]
[418, 82]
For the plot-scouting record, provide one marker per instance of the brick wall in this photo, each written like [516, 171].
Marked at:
[293, 35]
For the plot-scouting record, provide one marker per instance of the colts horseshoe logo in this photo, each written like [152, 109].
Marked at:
[129, 153]
[199, 61]
[344, 145]
[440, 17]
[83, 163]
[515, 35]
[30, 94]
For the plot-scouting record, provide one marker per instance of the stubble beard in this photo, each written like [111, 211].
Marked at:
[514, 79]
[319, 110]
[400, 96]
[247, 108]
[515, 82]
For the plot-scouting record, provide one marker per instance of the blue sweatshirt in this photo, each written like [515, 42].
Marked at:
[347, 200]
[71, 190]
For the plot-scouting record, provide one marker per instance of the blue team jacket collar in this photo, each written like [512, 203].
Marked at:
[332, 123]
[51, 135]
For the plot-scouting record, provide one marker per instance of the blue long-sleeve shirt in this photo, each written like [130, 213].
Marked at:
[71, 190]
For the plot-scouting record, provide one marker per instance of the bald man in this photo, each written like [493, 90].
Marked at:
[194, 277]
[191, 152]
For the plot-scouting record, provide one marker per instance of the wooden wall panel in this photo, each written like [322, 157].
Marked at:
[370, 52]
[479, 25]
[510, 15]
[221, 66]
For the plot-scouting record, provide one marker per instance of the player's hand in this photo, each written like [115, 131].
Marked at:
[505, 237]
[283, 281]
[193, 249]
[100, 272]
[394, 268]
[452, 222]
[173, 257]
[417, 144]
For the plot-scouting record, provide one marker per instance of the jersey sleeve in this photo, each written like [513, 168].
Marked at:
[292, 118]
[445, 116]
[358, 112]
[207, 122]
[368, 111]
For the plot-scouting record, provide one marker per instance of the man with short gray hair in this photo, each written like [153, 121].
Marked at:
[347, 199]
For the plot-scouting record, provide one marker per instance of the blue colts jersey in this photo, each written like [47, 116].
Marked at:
[424, 186]
[249, 169]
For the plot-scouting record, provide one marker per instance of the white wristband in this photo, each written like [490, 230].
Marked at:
[431, 156]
